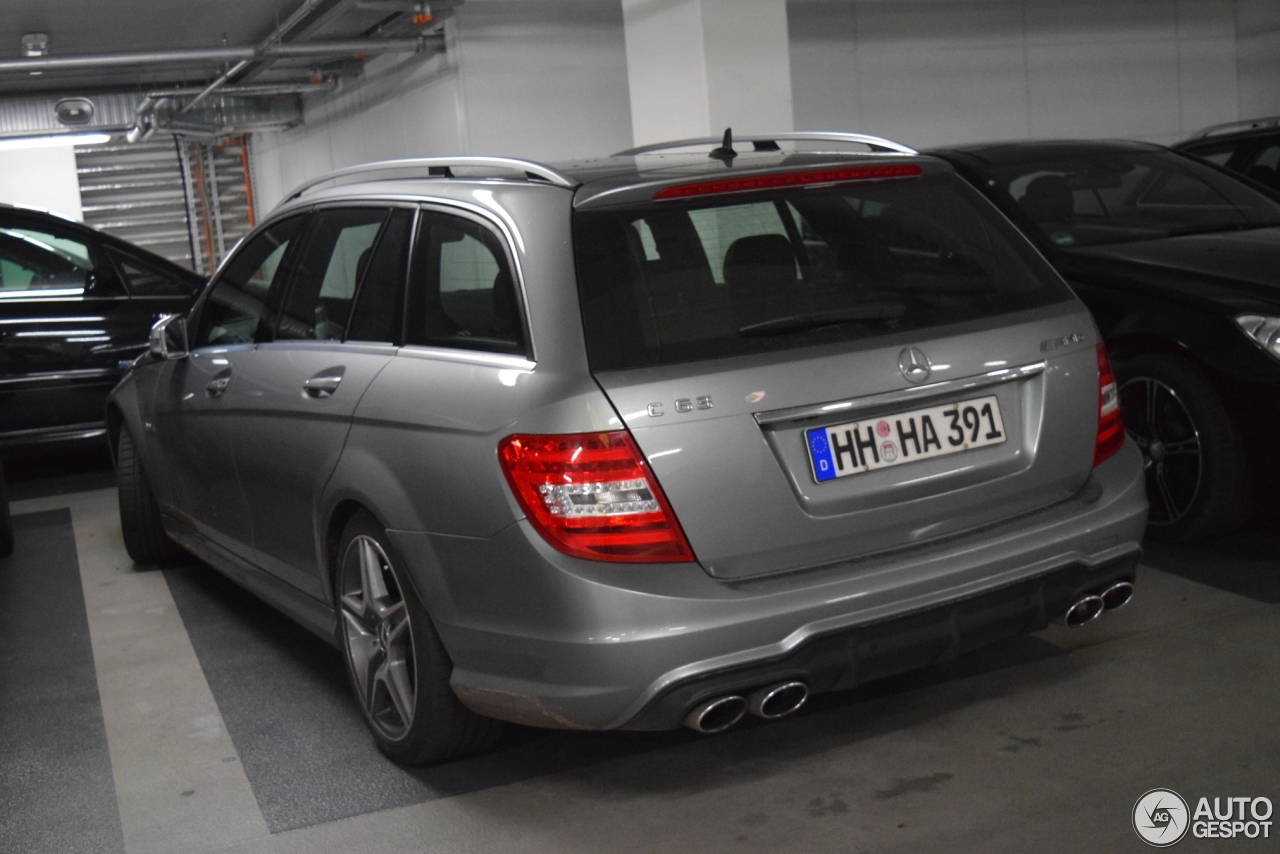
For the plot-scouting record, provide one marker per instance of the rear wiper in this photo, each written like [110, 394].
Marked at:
[885, 310]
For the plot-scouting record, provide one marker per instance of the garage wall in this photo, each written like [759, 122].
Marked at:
[41, 178]
[544, 79]
[934, 72]
[1258, 52]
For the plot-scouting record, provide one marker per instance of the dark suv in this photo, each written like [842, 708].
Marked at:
[74, 305]
[1251, 148]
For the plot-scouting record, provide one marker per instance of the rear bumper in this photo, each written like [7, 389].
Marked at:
[848, 658]
[546, 640]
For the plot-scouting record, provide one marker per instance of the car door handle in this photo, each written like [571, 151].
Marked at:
[322, 385]
[217, 386]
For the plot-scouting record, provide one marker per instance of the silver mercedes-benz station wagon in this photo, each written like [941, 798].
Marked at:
[653, 439]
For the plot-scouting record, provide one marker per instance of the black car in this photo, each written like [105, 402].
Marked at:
[1251, 148]
[1179, 262]
[6, 524]
[74, 305]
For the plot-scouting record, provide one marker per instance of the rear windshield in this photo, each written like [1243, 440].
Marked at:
[681, 281]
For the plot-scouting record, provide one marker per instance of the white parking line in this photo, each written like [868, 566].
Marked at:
[179, 784]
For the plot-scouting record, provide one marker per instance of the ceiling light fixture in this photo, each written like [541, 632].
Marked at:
[57, 139]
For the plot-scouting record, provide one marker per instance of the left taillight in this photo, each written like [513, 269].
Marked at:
[592, 495]
[1110, 436]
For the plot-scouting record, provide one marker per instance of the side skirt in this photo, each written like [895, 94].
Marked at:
[312, 614]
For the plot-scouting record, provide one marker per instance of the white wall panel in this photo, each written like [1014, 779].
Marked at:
[824, 66]
[926, 65]
[41, 178]
[545, 80]
[1085, 89]
[930, 72]
[1258, 45]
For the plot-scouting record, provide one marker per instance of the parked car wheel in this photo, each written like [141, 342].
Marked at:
[1197, 476]
[6, 524]
[398, 667]
[144, 536]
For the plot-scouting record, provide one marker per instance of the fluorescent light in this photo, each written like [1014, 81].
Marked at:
[58, 139]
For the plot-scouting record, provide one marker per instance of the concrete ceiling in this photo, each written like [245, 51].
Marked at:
[78, 27]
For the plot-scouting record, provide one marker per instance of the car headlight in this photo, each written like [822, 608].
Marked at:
[1263, 330]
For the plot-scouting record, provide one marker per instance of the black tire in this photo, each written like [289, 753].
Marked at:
[144, 536]
[387, 637]
[1197, 473]
[6, 522]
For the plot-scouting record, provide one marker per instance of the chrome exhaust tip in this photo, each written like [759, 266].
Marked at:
[1085, 609]
[1117, 595]
[716, 715]
[778, 701]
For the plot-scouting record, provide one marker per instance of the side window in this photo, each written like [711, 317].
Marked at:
[148, 280]
[379, 302]
[337, 251]
[462, 293]
[32, 260]
[1265, 167]
[235, 310]
[1218, 153]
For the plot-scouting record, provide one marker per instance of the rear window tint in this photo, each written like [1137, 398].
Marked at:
[672, 282]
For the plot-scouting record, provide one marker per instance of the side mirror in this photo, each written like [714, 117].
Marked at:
[99, 281]
[168, 337]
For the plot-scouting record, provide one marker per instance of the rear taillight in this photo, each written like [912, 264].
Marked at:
[1110, 424]
[592, 495]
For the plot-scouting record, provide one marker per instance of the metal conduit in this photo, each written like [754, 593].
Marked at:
[211, 55]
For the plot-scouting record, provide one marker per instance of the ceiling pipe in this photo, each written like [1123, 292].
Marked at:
[144, 126]
[212, 55]
[263, 55]
[274, 38]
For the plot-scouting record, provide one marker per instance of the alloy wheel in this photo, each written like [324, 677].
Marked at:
[379, 637]
[1159, 422]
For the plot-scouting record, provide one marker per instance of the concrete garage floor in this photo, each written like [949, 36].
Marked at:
[168, 711]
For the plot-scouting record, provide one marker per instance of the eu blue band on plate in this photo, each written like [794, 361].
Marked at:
[824, 468]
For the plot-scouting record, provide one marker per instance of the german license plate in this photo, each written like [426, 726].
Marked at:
[893, 440]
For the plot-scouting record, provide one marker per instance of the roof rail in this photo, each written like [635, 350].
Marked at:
[769, 142]
[1231, 127]
[441, 167]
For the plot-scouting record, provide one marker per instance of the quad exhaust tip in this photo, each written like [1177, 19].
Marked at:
[716, 715]
[1085, 609]
[1117, 595]
[778, 701]
[771, 702]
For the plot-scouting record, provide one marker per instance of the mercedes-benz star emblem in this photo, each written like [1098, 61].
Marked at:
[914, 365]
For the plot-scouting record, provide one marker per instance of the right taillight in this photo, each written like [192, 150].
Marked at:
[592, 495]
[1110, 425]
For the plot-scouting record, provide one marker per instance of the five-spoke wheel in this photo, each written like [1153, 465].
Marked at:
[379, 637]
[1197, 482]
[1164, 430]
[398, 666]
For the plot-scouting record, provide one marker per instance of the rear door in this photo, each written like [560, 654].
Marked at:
[60, 342]
[897, 330]
[296, 395]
